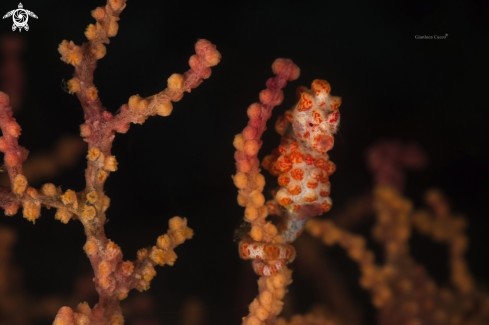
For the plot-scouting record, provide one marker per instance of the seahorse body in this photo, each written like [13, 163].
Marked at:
[301, 161]
[303, 167]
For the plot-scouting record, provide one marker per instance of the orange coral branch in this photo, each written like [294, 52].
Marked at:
[303, 167]
[275, 276]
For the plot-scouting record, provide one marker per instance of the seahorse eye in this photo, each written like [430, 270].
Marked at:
[311, 125]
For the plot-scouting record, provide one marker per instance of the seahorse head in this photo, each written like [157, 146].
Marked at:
[316, 117]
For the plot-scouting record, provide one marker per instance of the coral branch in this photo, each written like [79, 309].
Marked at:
[274, 275]
[46, 164]
[248, 180]
[84, 58]
[99, 131]
[15, 155]
[139, 109]
[400, 288]
[445, 227]
[114, 278]
[388, 158]
[302, 160]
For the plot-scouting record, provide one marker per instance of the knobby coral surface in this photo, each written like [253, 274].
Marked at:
[302, 165]
[114, 277]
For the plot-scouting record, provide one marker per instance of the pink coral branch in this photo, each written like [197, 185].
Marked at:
[15, 155]
[262, 245]
[303, 167]
[200, 63]
[387, 160]
[114, 278]
[9, 201]
[84, 58]
[259, 113]
[99, 131]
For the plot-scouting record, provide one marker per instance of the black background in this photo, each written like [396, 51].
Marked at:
[432, 92]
